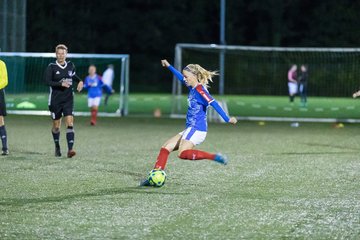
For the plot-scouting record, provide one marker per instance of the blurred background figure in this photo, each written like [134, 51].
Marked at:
[93, 84]
[303, 81]
[108, 78]
[292, 82]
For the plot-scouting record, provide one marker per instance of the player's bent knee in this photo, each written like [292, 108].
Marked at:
[170, 149]
[168, 146]
[181, 156]
[69, 124]
[184, 154]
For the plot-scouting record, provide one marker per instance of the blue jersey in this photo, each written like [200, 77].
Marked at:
[197, 106]
[198, 101]
[94, 86]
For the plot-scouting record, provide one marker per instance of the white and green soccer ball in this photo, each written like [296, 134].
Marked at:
[157, 177]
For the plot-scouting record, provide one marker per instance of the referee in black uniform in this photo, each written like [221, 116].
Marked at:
[60, 76]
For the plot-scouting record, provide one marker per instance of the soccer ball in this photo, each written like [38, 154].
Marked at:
[157, 178]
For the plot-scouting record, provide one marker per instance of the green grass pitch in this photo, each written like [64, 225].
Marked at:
[280, 183]
[256, 106]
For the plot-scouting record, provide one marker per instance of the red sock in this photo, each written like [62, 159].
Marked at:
[162, 158]
[93, 115]
[196, 155]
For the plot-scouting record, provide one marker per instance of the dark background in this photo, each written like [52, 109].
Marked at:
[148, 30]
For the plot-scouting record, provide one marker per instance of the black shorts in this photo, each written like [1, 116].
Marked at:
[2, 103]
[61, 109]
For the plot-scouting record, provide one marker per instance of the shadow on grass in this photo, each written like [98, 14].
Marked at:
[311, 153]
[122, 172]
[104, 192]
[330, 146]
[16, 154]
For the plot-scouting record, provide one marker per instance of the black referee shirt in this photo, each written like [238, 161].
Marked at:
[56, 74]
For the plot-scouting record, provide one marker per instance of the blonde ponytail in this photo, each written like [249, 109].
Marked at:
[203, 76]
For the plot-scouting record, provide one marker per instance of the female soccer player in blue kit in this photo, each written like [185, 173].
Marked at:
[94, 84]
[196, 79]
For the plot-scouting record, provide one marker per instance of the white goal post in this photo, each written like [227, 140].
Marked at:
[262, 71]
[26, 71]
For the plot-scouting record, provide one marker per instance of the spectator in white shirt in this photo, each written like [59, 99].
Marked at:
[107, 78]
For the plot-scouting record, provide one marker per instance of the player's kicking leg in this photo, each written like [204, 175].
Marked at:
[170, 145]
[192, 138]
[222, 159]
[193, 154]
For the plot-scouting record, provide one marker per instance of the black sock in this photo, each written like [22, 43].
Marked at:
[3, 137]
[292, 98]
[56, 137]
[70, 137]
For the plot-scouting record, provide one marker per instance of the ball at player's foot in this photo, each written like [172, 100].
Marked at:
[261, 123]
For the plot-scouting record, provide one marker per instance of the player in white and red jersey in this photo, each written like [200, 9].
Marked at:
[292, 83]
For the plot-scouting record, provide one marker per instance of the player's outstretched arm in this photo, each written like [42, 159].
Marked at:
[165, 63]
[208, 98]
[220, 110]
[177, 74]
[222, 113]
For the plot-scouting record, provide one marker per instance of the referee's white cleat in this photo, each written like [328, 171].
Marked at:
[222, 159]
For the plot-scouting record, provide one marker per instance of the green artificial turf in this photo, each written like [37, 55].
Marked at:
[280, 183]
[242, 106]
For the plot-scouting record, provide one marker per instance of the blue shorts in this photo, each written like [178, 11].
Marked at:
[193, 135]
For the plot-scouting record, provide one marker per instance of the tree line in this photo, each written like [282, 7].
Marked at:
[148, 30]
